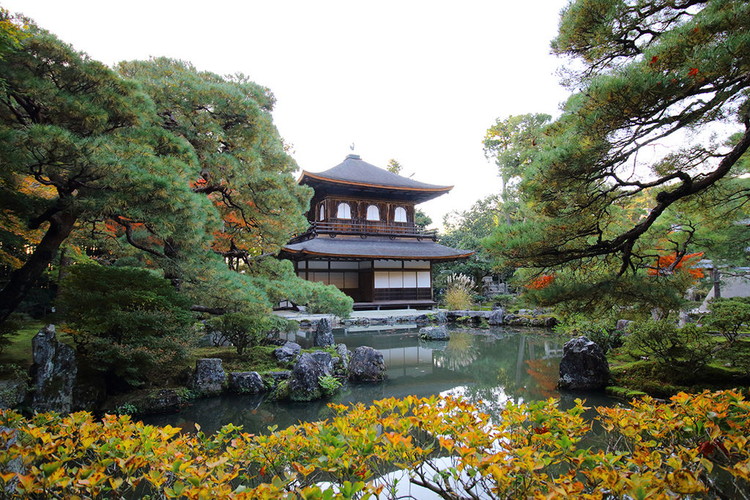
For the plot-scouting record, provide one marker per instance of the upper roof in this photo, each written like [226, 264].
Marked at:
[355, 174]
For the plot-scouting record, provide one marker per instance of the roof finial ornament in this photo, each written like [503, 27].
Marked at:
[351, 146]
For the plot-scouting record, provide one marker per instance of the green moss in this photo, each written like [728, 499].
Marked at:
[665, 381]
[623, 392]
[255, 359]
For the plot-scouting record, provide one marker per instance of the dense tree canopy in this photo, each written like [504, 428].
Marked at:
[659, 124]
[467, 229]
[79, 146]
[164, 167]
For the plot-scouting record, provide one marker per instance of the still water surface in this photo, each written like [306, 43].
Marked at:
[486, 366]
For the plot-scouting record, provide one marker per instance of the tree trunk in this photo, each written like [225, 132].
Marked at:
[23, 278]
[716, 278]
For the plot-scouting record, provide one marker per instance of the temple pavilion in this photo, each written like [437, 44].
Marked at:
[362, 236]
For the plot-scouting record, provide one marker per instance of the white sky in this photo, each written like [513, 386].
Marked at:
[418, 81]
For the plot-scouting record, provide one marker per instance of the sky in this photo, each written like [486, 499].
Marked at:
[416, 81]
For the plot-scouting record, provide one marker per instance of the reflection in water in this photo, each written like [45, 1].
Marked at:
[487, 366]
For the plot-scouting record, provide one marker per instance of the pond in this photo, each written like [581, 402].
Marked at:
[486, 366]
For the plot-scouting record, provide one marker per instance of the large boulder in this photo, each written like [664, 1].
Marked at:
[323, 336]
[496, 316]
[53, 373]
[583, 366]
[288, 352]
[434, 333]
[246, 383]
[366, 365]
[209, 376]
[304, 384]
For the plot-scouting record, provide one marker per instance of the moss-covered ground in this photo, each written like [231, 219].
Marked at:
[729, 368]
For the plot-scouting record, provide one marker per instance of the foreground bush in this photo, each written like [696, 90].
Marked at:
[128, 324]
[694, 445]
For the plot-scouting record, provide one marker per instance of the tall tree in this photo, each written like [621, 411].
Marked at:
[242, 165]
[79, 145]
[243, 168]
[511, 143]
[467, 229]
[650, 74]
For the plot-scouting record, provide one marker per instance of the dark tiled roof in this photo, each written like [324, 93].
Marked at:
[374, 248]
[353, 170]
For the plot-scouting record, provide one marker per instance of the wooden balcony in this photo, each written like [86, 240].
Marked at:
[370, 228]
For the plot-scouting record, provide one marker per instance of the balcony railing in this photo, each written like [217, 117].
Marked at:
[371, 228]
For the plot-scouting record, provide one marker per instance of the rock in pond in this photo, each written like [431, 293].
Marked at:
[304, 384]
[323, 336]
[246, 383]
[209, 376]
[366, 365]
[583, 366]
[496, 316]
[434, 333]
[53, 373]
[288, 352]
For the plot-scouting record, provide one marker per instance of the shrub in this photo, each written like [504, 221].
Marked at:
[329, 384]
[694, 446]
[8, 328]
[321, 299]
[128, 323]
[241, 329]
[728, 316]
[458, 292]
[688, 347]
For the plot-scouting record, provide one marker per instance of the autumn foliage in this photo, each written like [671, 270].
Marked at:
[672, 263]
[541, 282]
[652, 449]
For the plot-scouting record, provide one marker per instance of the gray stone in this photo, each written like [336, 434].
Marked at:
[542, 321]
[622, 324]
[209, 376]
[323, 336]
[441, 317]
[324, 359]
[273, 379]
[12, 393]
[342, 365]
[366, 365]
[53, 373]
[288, 352]
[583, 366]
[422, 320]
[304, 384]
[434, 333]
[496, 316]
[246, 383]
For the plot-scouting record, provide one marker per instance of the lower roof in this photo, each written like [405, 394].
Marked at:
[372, 248]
